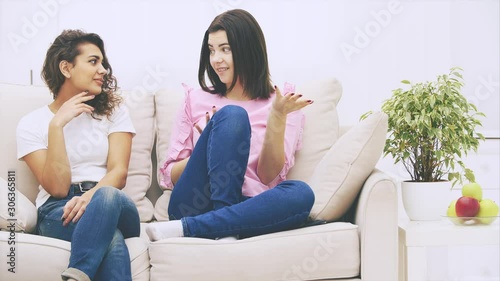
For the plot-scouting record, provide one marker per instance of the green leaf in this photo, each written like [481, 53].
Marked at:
[431, 126]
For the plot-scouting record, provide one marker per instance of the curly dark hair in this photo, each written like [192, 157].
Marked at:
[248, 47]
[66, 47]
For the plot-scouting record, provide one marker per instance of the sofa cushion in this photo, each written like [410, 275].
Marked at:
[161, 206]
[15, 102]
[43, 258]
[327, 251]
[321, 129]
[15, 208]
[339, 176]
[142, 111]
[167, 103]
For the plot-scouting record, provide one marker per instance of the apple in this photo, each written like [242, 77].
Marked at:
[467, 206]
[488, 210]
[473, 190]
[450, 212]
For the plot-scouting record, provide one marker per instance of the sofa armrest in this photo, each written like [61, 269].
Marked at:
[344, 128]
[377, 220]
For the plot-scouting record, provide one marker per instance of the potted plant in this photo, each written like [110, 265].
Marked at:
[431, 127]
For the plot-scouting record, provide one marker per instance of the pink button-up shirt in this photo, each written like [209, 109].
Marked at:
[184, 136]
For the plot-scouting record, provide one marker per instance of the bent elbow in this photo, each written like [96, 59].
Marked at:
[59, 194]
[121, 178]
[57, 190]
[122, 183]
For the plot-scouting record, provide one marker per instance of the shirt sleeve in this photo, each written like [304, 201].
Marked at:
[181, 141]
[121, 122]
[29, 137]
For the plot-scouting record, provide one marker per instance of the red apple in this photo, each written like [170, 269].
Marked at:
[467, 206]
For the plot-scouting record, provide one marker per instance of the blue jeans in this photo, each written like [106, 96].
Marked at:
[207, 197]
[98, 250]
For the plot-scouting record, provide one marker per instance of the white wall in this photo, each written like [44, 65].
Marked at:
[370, 45]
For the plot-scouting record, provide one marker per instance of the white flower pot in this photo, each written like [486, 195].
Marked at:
[426, 201]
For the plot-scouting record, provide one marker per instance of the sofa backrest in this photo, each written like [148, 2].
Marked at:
[15, 102]
[153, 114]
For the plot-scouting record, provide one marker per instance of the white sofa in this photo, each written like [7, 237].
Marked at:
[356, 205]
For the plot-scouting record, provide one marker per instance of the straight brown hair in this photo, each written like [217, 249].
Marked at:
[249, 51]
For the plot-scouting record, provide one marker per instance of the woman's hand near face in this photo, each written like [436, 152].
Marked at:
[284, 104]
[73, 108]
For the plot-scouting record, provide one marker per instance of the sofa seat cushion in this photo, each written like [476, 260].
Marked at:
[317, 252]
[43, 259]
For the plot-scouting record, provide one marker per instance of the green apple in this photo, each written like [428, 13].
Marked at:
[487, 209]
[451, 212]
[473, 190]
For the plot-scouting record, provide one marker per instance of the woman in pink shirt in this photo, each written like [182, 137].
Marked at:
[234, 142]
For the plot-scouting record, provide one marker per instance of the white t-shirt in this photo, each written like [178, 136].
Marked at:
[86, 141]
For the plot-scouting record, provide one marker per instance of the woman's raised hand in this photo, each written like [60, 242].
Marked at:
[207, 117]
[72, 108]
[290, 102]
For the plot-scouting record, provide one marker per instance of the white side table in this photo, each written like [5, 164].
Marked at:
[415, 236]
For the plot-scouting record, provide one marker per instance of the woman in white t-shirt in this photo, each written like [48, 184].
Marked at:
[78, 147]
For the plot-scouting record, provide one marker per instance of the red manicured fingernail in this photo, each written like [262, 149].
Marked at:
[310, 101]
[300, 96]
[292, 94]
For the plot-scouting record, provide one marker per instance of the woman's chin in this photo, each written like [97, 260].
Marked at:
[95, 92]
